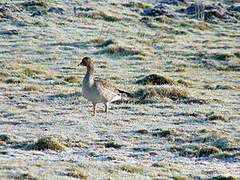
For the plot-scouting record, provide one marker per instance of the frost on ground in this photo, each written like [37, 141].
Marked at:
[182, 122]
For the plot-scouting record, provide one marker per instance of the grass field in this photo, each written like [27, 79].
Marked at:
[183, 122]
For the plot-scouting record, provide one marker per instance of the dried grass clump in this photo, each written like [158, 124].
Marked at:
[113, 145]
[223, 177]
[180, 178]
[142, 131]
[76, 173]
[228, 155]
[48, 142]
[195, 100]
[224, 155]
[224, 56]
[31, 88]
[226, 144]
[100, 42]
[155, 79]
[197, 25]
[31, 72]
[207, 151]
[221, 61]
[195, 150]
[216, 116]
[131, 168]
[4, 74]
[185, 83]
[136, 5]
[99, 15]
[23, 176]
[118, 50]
[228, 87]
[214, 145]
[27, 4]
[4, 137]
[2, 143]
[72, 79]
[164, 133]
[106, 43]
[7, 139]
[187, 150]
[13, 81]
[159, 93]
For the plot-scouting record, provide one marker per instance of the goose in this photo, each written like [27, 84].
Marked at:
[96, 90]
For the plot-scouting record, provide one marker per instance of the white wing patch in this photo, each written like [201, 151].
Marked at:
[115, 98]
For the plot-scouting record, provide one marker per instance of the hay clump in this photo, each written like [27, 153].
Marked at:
[216, 116]
[221, 177]
[164, 133]
[7, 139]
[112, 145]
[155, 79]
[76, 173]
[207, 151]
[227, 143]
[48, 143]
[118, 50]
[161, 93]
[71, 79]
[131, 168]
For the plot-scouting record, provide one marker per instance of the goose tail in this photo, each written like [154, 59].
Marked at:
[124, 92]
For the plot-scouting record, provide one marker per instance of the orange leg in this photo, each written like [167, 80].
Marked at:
[106, 108]
[94, 109]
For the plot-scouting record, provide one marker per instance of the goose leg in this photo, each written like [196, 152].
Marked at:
[94, 109]
[106, 108]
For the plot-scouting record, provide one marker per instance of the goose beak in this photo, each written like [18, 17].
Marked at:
[80, 64]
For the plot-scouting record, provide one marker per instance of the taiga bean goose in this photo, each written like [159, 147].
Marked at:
[98, 91]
